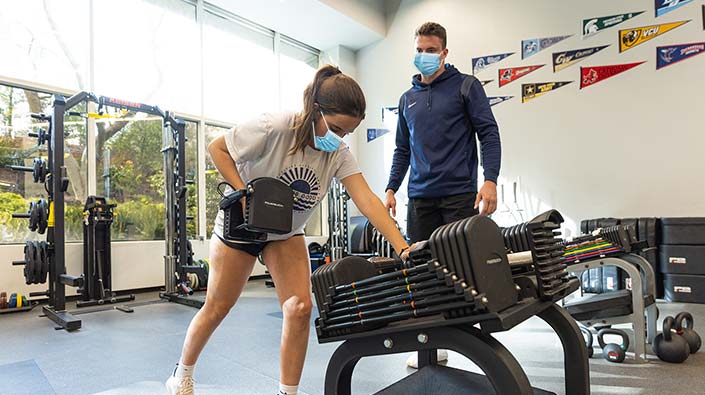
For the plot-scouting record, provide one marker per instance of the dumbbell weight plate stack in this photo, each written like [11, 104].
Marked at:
[3, 300]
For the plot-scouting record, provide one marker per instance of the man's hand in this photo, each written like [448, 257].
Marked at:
[488, 196]
[390, 203]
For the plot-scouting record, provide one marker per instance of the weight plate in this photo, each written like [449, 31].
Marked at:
[33, 216]
[44, 262]
[43, 216]
[27, 262]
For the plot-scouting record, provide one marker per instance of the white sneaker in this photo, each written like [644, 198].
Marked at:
[413, 361]
[180, 386]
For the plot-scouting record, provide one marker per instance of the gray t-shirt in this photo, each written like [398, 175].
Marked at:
[260, 148]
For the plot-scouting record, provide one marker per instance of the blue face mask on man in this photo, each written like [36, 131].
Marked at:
[427, 63]
[328, 143]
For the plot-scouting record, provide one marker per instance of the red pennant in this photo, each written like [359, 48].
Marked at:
[514, 73]
[593, 75]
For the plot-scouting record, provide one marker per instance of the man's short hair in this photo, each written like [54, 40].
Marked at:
[432, 29]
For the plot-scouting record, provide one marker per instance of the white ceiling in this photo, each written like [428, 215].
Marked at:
[322, 24]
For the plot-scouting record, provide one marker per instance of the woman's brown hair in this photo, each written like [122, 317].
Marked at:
[334, 93]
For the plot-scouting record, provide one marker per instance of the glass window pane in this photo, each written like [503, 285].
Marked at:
[147, 51]
[130, 173]
[213, 178]
[18, 189]
[46, 40]
[239, 71]
[298, 66]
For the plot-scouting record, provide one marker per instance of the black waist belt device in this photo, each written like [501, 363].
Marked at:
[269, 204]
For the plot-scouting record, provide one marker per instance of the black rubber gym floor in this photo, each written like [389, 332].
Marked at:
[117, 353]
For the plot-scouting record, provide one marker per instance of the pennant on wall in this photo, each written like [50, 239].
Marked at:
[593, 75]
[479, 64]
[593, 26]
[532, 91]
[562, 60]
[374, 133]
[535, 45]
[498, 99]
[485, 82]
[630, 38]
[664, 6]
[670, 54]
[514, 73]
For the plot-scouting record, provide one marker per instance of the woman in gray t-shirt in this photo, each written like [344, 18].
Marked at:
[305, 150]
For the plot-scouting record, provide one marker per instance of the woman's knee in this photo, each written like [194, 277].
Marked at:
[218, 310]
[298, 308]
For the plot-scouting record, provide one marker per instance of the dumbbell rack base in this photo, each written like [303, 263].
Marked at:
[500, 366]
[445, 380]
[62, 318]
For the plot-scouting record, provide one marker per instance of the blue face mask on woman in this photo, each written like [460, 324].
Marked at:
[427, 63]
[328, 143]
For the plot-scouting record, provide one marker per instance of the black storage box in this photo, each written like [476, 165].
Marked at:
[686, 288]
[680, 231]
[682, 259]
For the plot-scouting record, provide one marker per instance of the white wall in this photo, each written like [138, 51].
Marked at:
[628, 146]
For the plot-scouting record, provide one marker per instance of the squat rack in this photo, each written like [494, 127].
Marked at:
[177, 247]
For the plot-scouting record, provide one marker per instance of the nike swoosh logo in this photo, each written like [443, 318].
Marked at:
[411, 105]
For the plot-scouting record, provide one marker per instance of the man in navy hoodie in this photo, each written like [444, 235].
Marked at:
[439, 119]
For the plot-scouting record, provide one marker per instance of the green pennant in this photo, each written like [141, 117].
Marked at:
[595, 25]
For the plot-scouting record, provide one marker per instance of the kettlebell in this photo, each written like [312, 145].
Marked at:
[684, 327]
[613, 352]
[588, 341]
[670, 346]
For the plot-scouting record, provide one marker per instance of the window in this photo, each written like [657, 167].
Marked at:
[46, 41]
[147, 51]
[154, 58]
[298, 65]
[239, 69]
[17, 189]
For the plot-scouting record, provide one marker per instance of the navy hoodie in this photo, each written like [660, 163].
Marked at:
[434, 137]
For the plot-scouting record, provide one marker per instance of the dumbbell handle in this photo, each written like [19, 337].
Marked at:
[19, 263]
[20, 215]
[21, 168]
[33, 134]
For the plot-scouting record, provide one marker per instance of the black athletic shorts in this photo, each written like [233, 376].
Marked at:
[252, 248]
[426, 215]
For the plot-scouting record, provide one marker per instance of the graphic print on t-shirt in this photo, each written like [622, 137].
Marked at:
[304, 181]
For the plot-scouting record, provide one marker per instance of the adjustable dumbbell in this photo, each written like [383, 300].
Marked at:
[613, 352]
[684, 327]
[669, 346]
